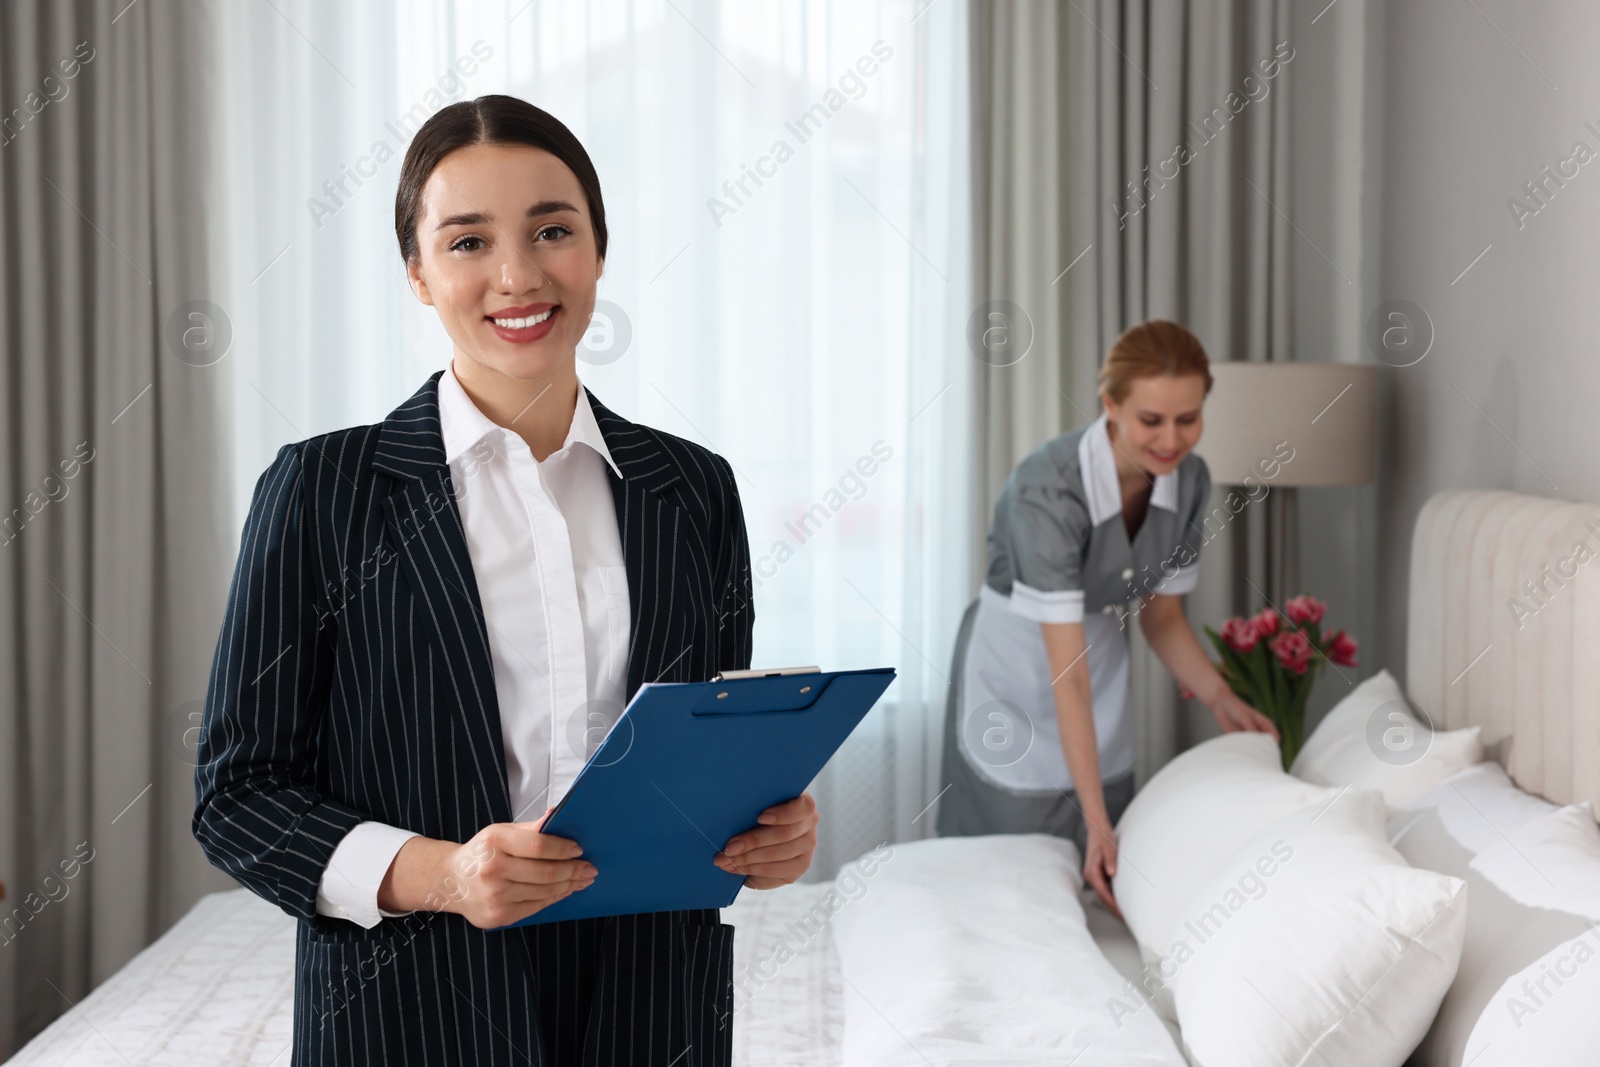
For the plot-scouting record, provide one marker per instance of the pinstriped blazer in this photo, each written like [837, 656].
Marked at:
[353, 680]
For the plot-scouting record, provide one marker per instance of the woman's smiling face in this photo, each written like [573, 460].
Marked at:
[1159, 421]
[505, 235]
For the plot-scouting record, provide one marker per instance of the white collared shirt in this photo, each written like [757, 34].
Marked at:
[548, 561]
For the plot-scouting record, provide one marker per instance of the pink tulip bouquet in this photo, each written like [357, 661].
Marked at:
[1272, 661]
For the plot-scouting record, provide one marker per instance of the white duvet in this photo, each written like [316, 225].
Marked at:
[975, 950]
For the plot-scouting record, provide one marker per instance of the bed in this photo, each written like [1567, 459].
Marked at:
[217, 987]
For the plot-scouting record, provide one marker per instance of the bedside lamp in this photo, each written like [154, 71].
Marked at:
[1324, 411]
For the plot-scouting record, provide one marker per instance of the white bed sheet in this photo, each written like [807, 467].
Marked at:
[218, 989]
[1119, 946]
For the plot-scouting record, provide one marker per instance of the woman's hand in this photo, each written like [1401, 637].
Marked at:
[1100, 862]
[777, 852]
[1234, 714]
[508, 871]
[1167, 629]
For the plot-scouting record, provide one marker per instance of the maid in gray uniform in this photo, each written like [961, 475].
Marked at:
[1094, 528]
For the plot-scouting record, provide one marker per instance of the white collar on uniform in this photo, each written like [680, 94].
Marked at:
[462, 425]
[1098, 465]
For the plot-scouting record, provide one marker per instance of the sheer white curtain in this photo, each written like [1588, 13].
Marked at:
[788, 283]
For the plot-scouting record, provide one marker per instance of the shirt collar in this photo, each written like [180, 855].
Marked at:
[1097, 463]
[463, 425]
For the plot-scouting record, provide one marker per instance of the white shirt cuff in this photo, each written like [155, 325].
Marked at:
[349, 885]
[1182, 582]
[1064, 605]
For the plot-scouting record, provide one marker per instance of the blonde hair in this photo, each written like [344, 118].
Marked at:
[1151, 348]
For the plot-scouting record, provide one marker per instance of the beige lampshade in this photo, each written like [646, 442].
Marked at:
[1320, 414]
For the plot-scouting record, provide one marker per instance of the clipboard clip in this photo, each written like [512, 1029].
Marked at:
[804, 694]
[762, 672]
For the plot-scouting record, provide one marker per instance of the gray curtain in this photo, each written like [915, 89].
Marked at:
[1072, 101]
[115, 547]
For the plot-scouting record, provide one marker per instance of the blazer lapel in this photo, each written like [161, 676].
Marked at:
[647, 519]
[430, 545]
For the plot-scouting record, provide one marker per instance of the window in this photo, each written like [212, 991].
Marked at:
[787, 283]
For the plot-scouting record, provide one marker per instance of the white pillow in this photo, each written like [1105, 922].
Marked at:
[1472, 812]
[1194, 813]
[1539, 930]
[975, 950]
[1316, 944]
[1474, 808]
[1554, 862]
[1372, 739]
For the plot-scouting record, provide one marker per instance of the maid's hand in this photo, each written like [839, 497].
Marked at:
[1233, 714]
[1100, 862]
[779, 850]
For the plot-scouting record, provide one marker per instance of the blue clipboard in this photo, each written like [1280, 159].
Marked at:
[687, 766]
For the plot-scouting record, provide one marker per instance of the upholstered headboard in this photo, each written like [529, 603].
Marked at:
[1504, 633]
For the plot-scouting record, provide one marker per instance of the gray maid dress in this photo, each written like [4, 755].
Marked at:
[1058, 552]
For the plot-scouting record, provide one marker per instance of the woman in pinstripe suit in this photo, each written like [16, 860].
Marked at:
[433, 621]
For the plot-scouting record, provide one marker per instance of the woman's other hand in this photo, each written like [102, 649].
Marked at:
[778, 851]
[1100, 862]
[1234, 714]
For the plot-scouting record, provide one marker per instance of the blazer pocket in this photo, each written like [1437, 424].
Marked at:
[344, 982]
